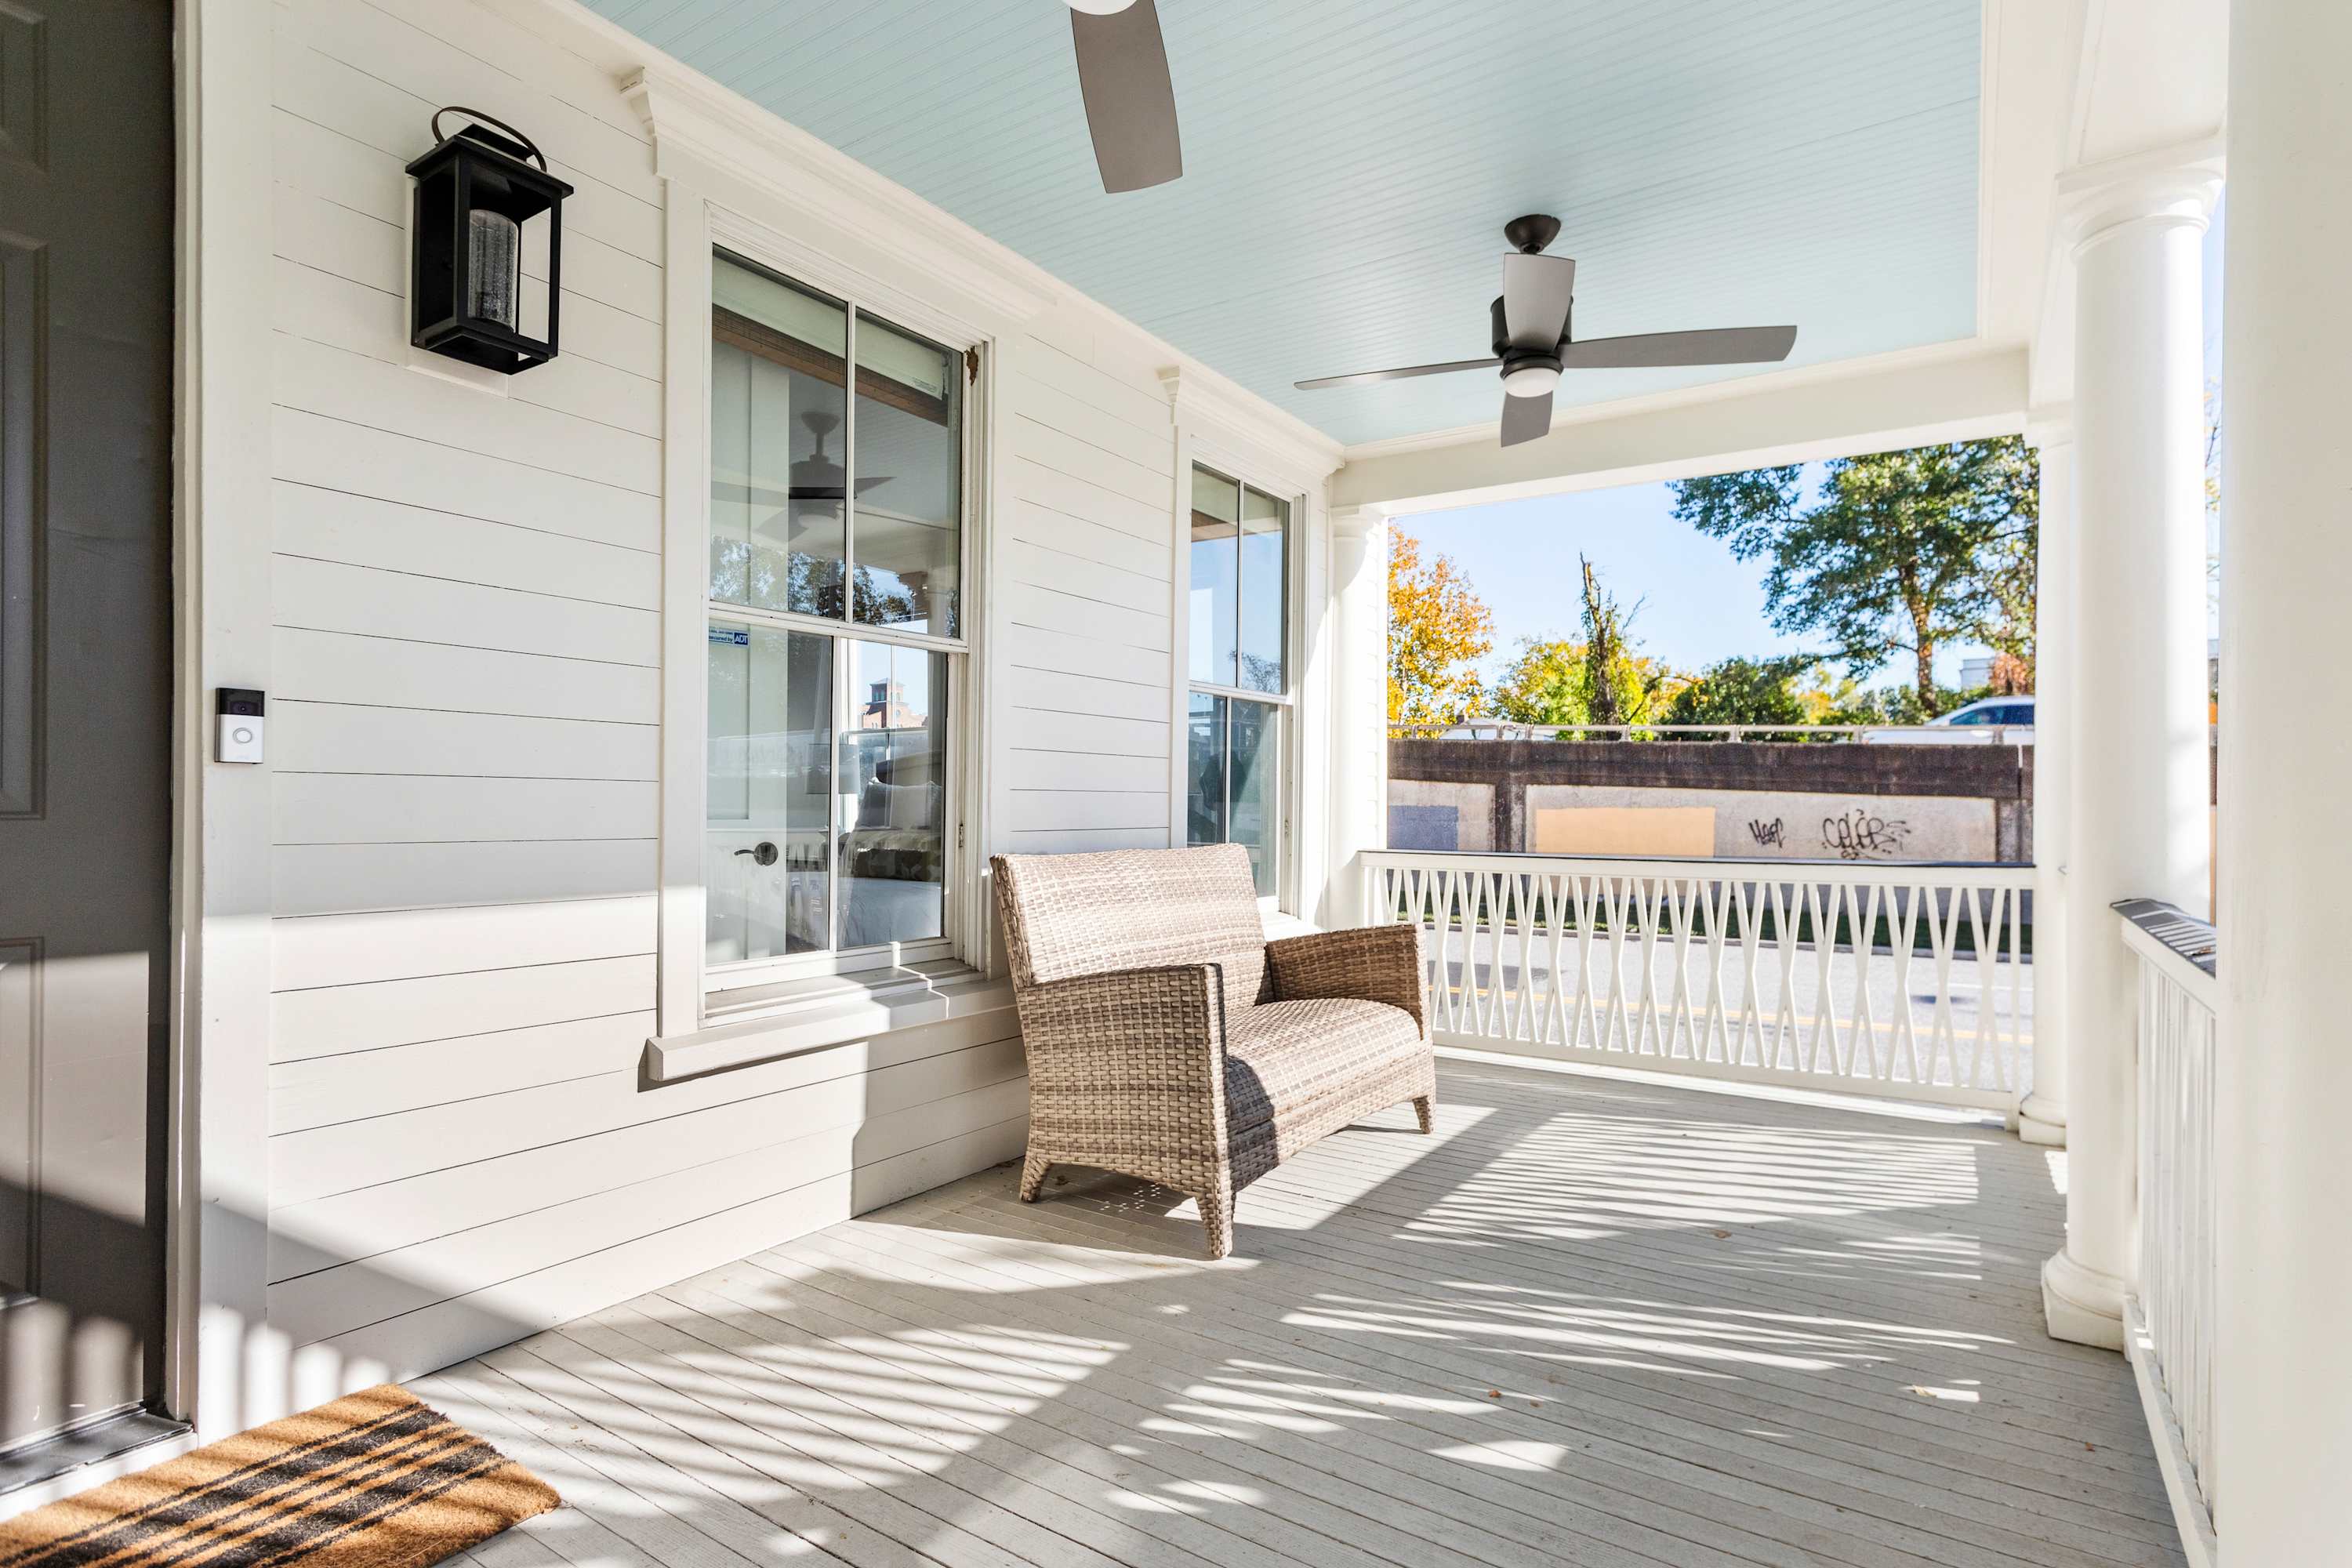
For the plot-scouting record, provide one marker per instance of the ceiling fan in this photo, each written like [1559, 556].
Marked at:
[1131, 102]
[1532, 345]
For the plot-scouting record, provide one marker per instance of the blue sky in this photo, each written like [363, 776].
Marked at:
[1698, 604]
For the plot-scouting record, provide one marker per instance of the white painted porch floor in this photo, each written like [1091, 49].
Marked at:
[1589, 1322]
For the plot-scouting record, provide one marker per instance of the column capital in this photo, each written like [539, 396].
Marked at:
[2177, 184]
[1356, 522]
[2050, 425]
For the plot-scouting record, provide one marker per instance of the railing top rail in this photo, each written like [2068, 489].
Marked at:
[1944, 734]
[2177, 942]
[1908, 874]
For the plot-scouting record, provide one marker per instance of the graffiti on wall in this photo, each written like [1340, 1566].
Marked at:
[1860, 834]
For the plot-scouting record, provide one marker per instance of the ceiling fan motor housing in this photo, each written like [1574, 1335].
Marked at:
[1523, 359]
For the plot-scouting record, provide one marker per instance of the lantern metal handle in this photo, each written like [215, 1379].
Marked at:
[527, 144]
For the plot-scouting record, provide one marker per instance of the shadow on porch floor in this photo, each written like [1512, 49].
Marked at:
[1590, 1322]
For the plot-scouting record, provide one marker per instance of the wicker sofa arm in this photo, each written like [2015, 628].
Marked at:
[1372, 963]
[1155, 1032]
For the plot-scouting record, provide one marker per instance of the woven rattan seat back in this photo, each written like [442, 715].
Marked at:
[1068, 915]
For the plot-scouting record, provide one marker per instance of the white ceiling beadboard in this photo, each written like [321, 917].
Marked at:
[1349, 166]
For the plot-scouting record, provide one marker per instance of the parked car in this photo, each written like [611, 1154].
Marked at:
[2008, 720]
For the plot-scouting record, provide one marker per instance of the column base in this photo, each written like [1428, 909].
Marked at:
[2082, 1305]
[2040, 1122]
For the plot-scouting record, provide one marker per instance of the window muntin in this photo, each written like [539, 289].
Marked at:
[835, 560]
[1237, 659]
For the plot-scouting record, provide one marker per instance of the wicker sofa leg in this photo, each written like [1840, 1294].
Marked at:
[1032, 1175]
[1217, 1220]
[1425, 1107]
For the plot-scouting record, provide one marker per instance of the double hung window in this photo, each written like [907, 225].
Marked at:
[1239, 700]
[835, 642]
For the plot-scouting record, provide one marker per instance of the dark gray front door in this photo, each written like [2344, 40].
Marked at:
[86, 214]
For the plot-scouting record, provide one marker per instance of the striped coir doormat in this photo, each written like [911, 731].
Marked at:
[375, 1479]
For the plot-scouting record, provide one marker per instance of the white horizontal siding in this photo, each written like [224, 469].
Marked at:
[465, 746]
[1086, 562]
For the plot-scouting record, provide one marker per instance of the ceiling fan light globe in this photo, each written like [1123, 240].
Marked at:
[1099, 7]
[1531, 381]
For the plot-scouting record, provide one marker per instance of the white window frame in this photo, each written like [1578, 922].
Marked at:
[692, 990]
[1194, 454]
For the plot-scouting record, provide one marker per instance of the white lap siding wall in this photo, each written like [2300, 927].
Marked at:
[465, 734]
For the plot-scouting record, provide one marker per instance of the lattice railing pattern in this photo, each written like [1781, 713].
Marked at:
[1909, 982]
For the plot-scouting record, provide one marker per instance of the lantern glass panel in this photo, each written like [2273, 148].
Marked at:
[493, 268]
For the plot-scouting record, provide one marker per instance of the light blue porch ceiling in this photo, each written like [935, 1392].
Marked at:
[1349, 166]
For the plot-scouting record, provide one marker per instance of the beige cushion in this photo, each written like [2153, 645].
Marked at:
[1283, 1057]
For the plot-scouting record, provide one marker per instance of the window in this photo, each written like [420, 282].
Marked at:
[836, 636]
[1238, 636]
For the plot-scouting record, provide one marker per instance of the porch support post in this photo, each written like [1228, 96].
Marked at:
[2139, 821]
[2042, 1117]
[1360, 705]
[2282, 1424]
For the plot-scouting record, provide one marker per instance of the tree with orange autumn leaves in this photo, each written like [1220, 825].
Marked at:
[1438, 631]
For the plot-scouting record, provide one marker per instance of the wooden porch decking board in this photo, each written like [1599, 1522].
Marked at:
[1724, 1330]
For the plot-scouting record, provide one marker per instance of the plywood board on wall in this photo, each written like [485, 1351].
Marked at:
[1773, 825]
[1626, 830]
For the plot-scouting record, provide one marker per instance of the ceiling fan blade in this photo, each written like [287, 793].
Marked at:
[1536, 293]
[1525, 418]
[1366, 378]
[1131, 102]
[1717, 345]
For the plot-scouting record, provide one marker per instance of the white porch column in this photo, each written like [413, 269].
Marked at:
[2282, 1358]
[2042, 1117]
[2139, 804]
[1360, 704]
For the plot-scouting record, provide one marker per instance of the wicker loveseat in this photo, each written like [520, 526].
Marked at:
[1168, 1040]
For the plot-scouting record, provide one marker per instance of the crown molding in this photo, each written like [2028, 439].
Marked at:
[706, 136]
[1229, 417]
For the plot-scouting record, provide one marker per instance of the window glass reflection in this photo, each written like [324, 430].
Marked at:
[893, 795]
[1215, 596]
[905, 541]
[767, 840]
[1265, 567]
[778, 506]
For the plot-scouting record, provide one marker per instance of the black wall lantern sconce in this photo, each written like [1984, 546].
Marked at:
[475, 191]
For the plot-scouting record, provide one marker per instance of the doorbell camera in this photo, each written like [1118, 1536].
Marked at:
[237, 725]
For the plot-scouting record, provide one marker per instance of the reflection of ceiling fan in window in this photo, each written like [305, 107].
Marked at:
[817, 477]
[1131, 102]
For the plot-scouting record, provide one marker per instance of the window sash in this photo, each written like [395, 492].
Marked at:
[845, 631]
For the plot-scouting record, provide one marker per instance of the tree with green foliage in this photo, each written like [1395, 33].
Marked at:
[1901, 552]
[1744, 691]
[1595, 679]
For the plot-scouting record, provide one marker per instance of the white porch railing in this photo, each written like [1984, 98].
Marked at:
[1906, 982]
[2169, 1331]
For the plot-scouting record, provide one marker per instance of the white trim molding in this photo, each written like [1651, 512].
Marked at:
[1221, 418]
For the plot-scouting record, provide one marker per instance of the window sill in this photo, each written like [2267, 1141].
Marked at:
[769, 1022]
